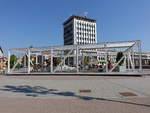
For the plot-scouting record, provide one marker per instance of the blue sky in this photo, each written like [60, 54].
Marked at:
[39, 22]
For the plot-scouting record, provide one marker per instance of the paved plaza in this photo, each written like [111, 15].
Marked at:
[74, 94]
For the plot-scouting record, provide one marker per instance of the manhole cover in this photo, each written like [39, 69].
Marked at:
[85, 91]
[127, 94]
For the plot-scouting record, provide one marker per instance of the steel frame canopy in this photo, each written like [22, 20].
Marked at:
[124, 44]
[74, 50]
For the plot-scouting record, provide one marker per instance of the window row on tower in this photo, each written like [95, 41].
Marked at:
[86, 29]
[85, 24]
[86, 39]
[85, 34]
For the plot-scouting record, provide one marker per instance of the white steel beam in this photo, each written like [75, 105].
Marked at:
[64, 59]
[126, 51]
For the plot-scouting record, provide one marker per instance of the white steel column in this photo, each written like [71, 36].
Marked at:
[29, 68]
[133, 59]
[140, 55]
[8, 62]
[77, 58]
[36, 58]
[62, 58]
[128, 61]
[125, 62]
[25, 60]
[106, 58]
[51, 60]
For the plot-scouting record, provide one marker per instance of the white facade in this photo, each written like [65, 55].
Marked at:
[84, 32]
[80, 30]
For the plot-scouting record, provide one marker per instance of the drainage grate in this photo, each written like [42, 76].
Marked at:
[85, 91]
[127, 94]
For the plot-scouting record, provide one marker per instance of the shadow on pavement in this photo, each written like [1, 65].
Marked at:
[36, 91]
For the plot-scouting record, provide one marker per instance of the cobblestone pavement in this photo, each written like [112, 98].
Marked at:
[62, 94]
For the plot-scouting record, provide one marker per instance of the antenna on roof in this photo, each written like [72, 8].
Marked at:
[85, 14]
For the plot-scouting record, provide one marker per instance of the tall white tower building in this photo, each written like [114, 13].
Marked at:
[79, 30]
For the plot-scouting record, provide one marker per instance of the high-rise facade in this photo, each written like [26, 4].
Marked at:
[79, 30]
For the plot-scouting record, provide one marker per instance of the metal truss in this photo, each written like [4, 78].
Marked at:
[77, 52]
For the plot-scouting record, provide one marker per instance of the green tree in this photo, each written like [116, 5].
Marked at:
[25, 58]
[56, 61]
[86, 60]
[13, 60]
[119, 56]
[31, 46]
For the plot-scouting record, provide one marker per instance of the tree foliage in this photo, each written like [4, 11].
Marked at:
[119, 56]
[13, 60]
[86, 60]
[25, 58]
[56, 61]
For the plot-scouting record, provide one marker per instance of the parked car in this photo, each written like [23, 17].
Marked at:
[65, 68]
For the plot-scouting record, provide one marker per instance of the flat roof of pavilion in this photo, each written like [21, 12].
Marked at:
[121, 44]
